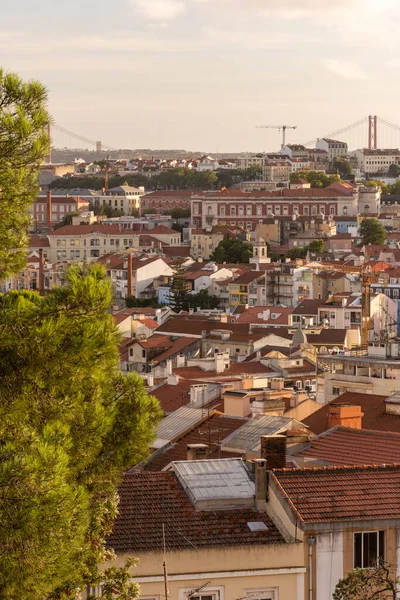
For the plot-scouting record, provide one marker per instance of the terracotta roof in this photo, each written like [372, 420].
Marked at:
[341, 493]
[328, 192]
[308, 307]
[248, 277]
[236, 368]
[149, 500]
[150, 323]
[192, 326]
[155, 341]
[372, 405]
[176, 347]
[87, 229]
[148, 240]
[180, 251]
[254, 314]
[35, 241]
[210, 431]
[164, 230]
[348, 446]
[171, 194]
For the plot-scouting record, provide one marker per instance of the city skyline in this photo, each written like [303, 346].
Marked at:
[201, 75]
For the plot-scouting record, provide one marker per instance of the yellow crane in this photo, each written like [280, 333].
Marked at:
[283, 127]
[368, 276]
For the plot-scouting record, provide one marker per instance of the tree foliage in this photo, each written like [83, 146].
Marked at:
[133, 302]
[317, 179]
[316, 246]
[394, 170]
[233, 251]
[70, 423]
[23, 145]
[369, 584]
[179, 292]
[203, 300]
[371, 231]
[66, 220]
[343, 166]
[297, 252]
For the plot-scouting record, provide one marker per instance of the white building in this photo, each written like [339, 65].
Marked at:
[377, 161]
[334, 148]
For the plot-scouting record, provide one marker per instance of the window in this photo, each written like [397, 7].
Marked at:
[233, 211]
[306, 211]
[314, 210]
[335, 391]
[345, 211]
[299, 384]
[249, 225]
[259, 210]
[143, 353]
[222, 211]
[249, 211]
[369, 548]
[332, 210]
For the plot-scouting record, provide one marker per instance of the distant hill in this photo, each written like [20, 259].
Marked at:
[65, 155]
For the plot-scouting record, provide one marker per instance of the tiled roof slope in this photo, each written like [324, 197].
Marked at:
[341, 494]
[347, 446]
[147, 500]
[211, 432]
[372, 405]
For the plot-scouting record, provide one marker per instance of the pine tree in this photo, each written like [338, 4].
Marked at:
[23, 145]
[69, 424]
[179, 294]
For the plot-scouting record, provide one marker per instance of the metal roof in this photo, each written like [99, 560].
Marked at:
[219, 483]
[247, 438]
[178, 422]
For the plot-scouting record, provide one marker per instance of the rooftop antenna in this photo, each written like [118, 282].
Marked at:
[165, 564]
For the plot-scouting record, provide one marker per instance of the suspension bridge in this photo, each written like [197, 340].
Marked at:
[370, 132]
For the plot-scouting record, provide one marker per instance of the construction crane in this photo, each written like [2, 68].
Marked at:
[368, 277]
[283, 127]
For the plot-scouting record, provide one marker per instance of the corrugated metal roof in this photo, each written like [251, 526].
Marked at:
[178, 422]
[248, 436]
[218, 483]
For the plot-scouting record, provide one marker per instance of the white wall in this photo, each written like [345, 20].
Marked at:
[329, 563]
[146, 274]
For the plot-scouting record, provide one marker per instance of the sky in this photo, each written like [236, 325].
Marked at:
[202, 74]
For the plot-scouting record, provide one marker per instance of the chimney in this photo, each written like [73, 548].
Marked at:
[277, 383]
[273, 450]
[345, 415]
[392, 404]
[49, 211]
[261, 481]
[150, 380]
[221, 360]
[173, 379]
[41, 272]
[130, 283]
[196, 452]
[169, 367]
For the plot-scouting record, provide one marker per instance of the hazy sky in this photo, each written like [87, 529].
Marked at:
[201, 74]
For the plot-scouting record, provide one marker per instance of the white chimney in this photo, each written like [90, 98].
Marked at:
[173, 380]
[180, 361]
[150, 380]
[266, 314]
[169, 367]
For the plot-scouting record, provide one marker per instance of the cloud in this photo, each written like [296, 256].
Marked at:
[159, 10]
[344, 69]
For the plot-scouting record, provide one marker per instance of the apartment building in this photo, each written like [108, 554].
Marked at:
[250, 160]
[164, 201]
[277, 171]
[205, 241]
[248, 288]
[376, 161]
[334, 148]
[125, 198]
[88, 242]
[50, 209]
[247, 209]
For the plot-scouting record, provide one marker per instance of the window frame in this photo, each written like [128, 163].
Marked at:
[379, 555]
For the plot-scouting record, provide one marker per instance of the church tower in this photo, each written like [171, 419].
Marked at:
[260, 254]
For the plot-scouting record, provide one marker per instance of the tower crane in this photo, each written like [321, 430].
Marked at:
[283, 127]
[367, 278]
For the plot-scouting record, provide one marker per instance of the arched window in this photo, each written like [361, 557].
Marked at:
[345, 211]
[366, 208]
[314, 210]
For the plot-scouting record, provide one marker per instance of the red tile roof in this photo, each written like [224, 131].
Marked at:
[254, 314]
[87, 229]
[196, 326]
[35, 241]
[348, 446]
[248, 277]
[177, 346]
[149, 500]
[372, 405]
[210, 431]
[236, 368]
[341, 493]
[156, 341]
[163, 230]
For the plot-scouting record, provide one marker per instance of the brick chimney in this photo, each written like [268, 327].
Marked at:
[49, 211]
[197, 452]
[130, 283]
[41, 272]
[273, 450]
[345, 415]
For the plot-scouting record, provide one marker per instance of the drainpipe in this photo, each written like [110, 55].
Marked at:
[310, 542]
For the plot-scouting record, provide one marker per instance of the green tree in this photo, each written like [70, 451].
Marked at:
[376, 183]
[70, 423]
[394, 170]
[232, 251]
[133, 302]
[369, 584]
[343, 166]
[297, 252]
[317, 246]
[66, 220]
[23, 145]
[371, 231]
[203, 300]
[179, 292]
[317, 179]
